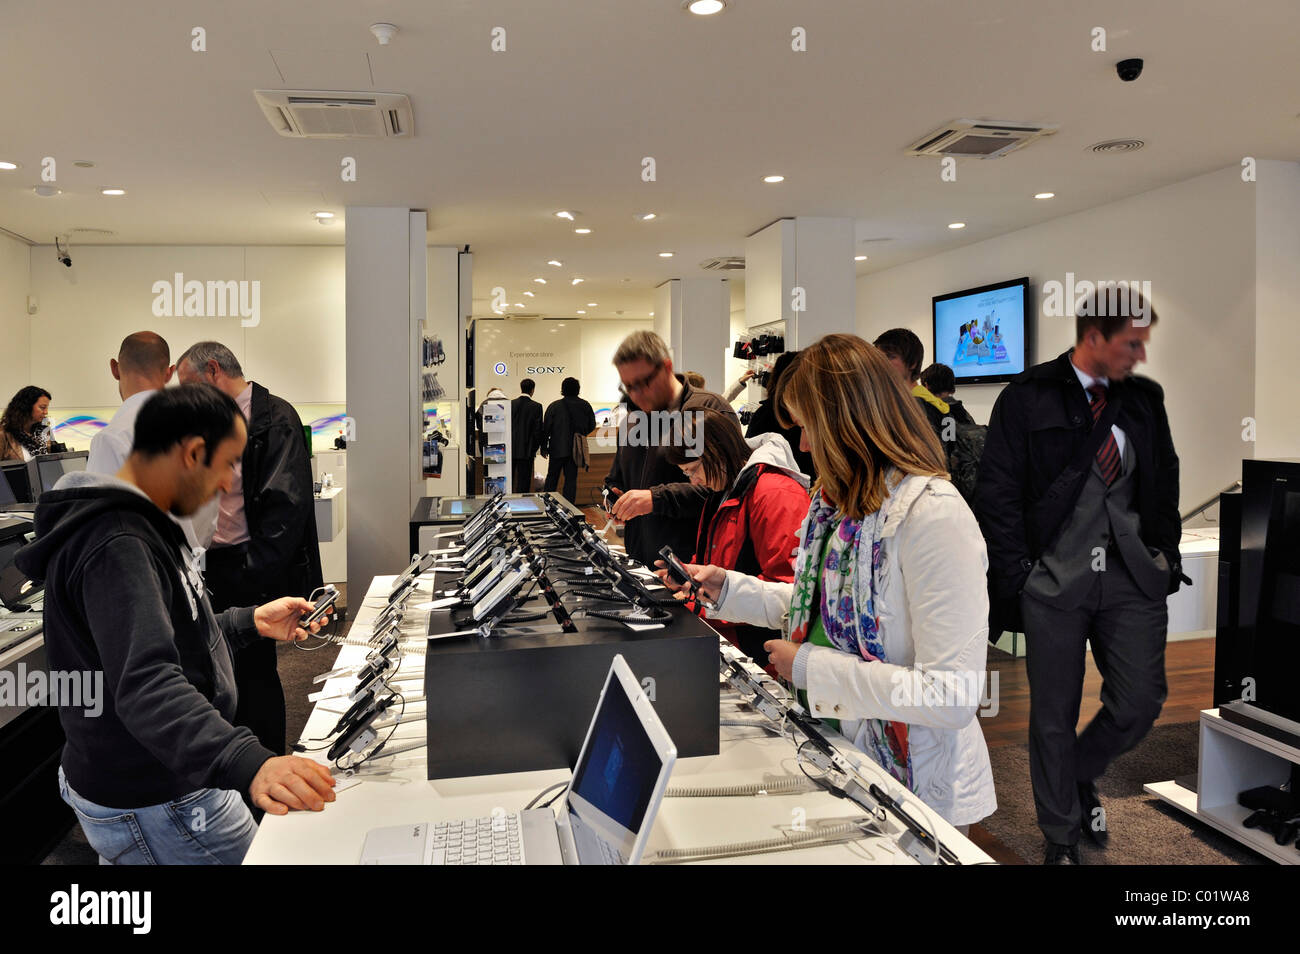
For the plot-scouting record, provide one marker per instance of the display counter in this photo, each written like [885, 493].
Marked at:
[748, 754]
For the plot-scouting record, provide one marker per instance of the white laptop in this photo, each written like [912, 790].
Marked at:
[604, 817]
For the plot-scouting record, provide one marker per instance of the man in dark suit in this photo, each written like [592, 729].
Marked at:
[265, 541]
[1077, 497]
[525, 437]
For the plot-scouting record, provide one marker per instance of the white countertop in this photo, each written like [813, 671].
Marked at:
[335, 836]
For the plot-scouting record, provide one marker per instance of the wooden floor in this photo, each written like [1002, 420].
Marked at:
[1189, 670]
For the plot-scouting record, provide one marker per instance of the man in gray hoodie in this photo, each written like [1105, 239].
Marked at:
[155, 772]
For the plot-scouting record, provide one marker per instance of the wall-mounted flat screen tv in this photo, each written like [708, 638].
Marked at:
[983, 333]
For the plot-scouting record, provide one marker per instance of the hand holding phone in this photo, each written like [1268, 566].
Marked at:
[324, 603]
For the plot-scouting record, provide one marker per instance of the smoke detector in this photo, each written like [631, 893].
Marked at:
[979, 139]
[320, 114]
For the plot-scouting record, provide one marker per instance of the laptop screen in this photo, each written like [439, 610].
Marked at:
[619, 770]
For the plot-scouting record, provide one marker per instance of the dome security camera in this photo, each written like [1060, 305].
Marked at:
[1129, 70]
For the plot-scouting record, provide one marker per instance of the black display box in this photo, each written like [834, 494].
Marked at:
[522, 703]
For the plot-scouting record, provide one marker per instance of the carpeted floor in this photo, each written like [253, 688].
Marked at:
[1143, 829]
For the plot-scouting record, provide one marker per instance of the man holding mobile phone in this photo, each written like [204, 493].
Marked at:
[155, 769]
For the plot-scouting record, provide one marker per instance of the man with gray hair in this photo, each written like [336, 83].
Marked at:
[265, 540]
[660, 505]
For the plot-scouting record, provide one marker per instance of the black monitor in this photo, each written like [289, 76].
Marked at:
[50, 467]
[20, 482]
[984, 333]
[16, 590]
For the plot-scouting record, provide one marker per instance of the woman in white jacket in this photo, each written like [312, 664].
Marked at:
[887, 619]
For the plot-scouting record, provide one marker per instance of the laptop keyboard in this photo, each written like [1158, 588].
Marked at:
[495, 840]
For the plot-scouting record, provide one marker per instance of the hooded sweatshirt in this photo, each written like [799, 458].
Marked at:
[120, 599]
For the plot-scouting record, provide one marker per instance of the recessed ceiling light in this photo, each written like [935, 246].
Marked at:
[581, 312]
[530, 294]
[323, 215]
[704, 8]
[583, 231]
[591, 304]
[1044, 195]
[665, 254]
[45, 191]
[956, 225]
[652, 314]
[773, 179]
[644, 216]
[112, 192]
[859, 258]
[564, 214]
[577, 281]
[8, 166]
[556, 263]
[540, 281]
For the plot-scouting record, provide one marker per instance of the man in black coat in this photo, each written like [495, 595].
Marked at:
[1077, 497]
[565, 420]
[660, 506]
[265, 540]
[525, 437]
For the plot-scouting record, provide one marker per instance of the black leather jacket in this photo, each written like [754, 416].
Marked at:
[283, 551]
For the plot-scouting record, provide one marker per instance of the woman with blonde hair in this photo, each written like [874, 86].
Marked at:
[887, 617]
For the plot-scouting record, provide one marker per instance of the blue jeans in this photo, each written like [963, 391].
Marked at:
[209, 826]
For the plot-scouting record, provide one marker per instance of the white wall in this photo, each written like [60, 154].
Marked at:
[296, 349]
[1194, 241]
[1277, 314]
[583, 347]
[15, 325]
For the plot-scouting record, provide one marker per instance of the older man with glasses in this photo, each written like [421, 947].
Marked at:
[654, 498]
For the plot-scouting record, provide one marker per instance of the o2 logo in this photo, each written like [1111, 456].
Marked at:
[499, 367]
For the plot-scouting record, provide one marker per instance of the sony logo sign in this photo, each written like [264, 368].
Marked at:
[544, 369]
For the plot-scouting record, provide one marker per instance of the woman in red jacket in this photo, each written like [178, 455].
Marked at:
[750, 522]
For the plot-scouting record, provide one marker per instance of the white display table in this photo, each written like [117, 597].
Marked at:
[335, 836]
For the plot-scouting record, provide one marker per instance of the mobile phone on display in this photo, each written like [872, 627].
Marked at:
[324, 603]
[676, 571]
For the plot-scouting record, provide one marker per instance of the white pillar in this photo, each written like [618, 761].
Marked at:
[801, 271]
[385, 264]
[693, 315]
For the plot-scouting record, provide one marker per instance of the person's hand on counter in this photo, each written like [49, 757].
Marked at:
[291, 783]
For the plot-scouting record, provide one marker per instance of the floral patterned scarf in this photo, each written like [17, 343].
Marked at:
[849, 619]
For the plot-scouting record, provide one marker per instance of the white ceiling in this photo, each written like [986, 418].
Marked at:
[585, 89]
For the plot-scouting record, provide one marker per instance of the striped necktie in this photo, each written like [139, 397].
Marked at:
[1108, 454]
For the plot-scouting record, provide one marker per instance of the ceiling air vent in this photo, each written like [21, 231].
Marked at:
[979, 139]
[1117, 145]
[312, 114]
[725, 263]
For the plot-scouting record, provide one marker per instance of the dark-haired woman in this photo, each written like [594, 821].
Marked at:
[750, 520]
[764, 420]
[22, 425]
